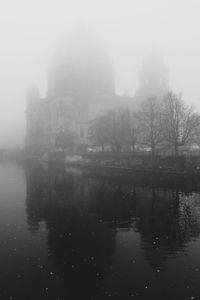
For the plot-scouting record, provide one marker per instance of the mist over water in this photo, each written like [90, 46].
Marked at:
[99, 149]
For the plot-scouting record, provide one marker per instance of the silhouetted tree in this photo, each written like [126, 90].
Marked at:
[135, 129]
[150, 122]
[98, 131]
[65, 140]
[119, 127]
[180, 121]
[112, 128]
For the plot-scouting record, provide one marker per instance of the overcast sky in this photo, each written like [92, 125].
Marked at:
[31, 31]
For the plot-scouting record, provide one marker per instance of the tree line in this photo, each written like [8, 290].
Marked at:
[156, 124]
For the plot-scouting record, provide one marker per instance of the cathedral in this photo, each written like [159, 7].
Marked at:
[80, 85]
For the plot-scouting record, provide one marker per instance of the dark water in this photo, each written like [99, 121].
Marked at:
[65, 234]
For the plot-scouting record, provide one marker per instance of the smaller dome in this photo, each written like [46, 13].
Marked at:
[153, 78]
[33, 94]
[154, 69]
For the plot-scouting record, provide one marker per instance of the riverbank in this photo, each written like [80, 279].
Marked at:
[129, 163]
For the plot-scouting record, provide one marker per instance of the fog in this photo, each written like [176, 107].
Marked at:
[31, 31]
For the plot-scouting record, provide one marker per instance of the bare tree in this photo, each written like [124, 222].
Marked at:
[119, 127]
[98, 131]
[196, 137]
[135, 129]
[180, 121]
[150, 123]
[65, 139]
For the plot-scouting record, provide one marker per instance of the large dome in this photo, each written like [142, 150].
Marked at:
[81, 68]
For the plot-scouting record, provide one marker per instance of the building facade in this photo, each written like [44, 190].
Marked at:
[80, 85]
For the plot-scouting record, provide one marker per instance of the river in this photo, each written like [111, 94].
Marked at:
[70, 234]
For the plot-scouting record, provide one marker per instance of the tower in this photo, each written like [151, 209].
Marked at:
[153, 78]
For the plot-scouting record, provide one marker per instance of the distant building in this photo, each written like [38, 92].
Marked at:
[80, 85]
[153, 79]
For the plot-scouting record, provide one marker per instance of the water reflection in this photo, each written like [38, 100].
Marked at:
[80, 245]
[84, 216]
[167, 221]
